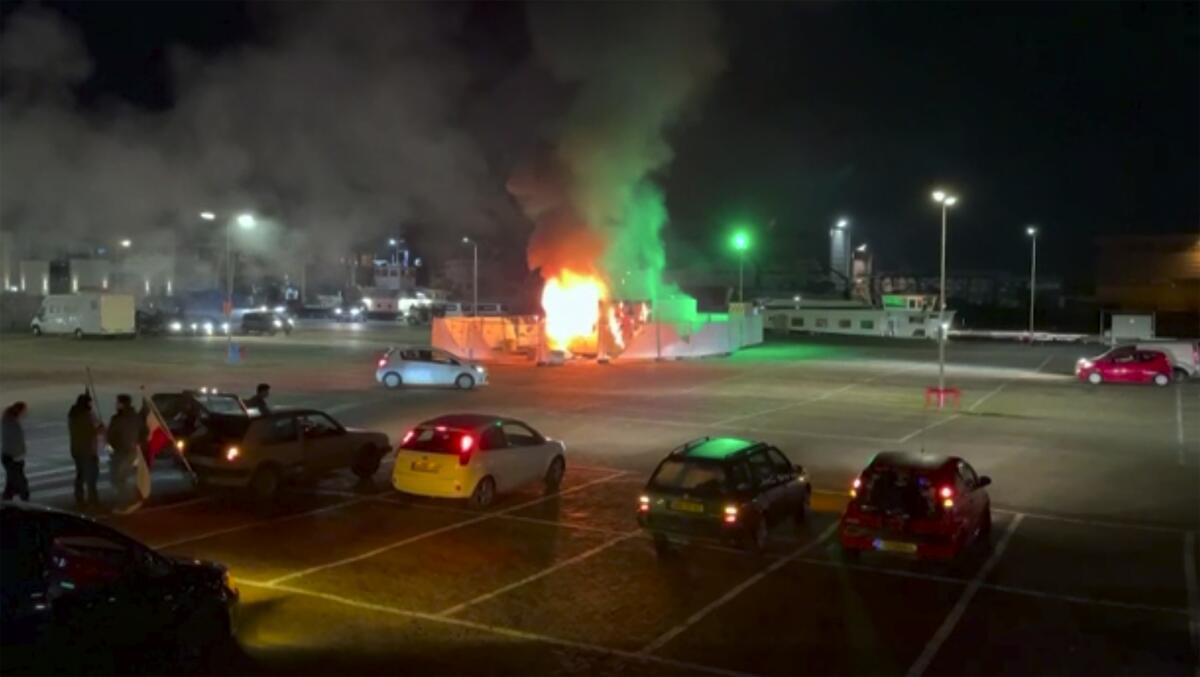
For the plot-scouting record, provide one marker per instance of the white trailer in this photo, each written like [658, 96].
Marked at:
[88, 314]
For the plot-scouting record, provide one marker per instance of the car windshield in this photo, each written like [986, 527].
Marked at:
[700, 478]
[897, 490]
[437, 439]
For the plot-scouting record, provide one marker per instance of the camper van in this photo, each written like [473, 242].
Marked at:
[85, 315]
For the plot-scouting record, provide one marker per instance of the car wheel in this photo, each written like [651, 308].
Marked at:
[554, 474]
[1161, 379]
[203, 632]
[266, 482]
[367, 462]
[484, 494]
[78, 334]
[1095, 378]
[392, 380]
[755, 538]
[465, 381]
[801, 514]
[663, 547]
[985, 527]
[1181, 375]
[37, 331]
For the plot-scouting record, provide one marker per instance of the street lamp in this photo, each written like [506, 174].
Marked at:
[1032, 232]
[244, 221]
[740, 241]
[861, 248]
[843, 224]
[208, 216]
[474, 275]
[126, 244]
[947, 201]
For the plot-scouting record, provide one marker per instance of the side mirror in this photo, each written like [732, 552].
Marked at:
[983, 482]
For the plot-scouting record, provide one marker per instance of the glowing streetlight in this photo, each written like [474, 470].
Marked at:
[740, 241]
[246, 221]
[947, 201]
[1032, 232]
[861, 248]
[843, 223]
[208, 216]
[126, 244]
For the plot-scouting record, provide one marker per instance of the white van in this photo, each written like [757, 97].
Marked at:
[1184, 356]
[85, 315]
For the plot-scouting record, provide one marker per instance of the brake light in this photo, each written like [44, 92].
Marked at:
[382, 362]
[854, 487]
[947, 495]
[643, 504]
[947, 492]
[731, 514]
[408, 436]
[465, 445]
[232, 453]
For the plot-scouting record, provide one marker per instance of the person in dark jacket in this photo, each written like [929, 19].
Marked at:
[85, 429]
[259, 401]
[124, 435]
[12, 451]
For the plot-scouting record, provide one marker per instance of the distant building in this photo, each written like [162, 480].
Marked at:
[1152, 273]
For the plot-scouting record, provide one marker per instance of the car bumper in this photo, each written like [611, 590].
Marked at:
[683, 529]
[860, 539]
[432, 486]
[217, 473]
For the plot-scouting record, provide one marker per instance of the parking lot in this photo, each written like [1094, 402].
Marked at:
[1091, 568]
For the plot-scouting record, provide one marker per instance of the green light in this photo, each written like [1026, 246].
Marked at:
[740, 240]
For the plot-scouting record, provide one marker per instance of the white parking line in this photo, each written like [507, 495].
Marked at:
[943, 632]
[255, 523]
[987, 396]
[695, 618]
[931, 426]
[1193, 592]
[483, 516]
[1094, 523]
[541, 574]
[502, 631]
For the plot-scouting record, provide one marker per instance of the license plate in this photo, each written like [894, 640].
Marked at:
[687, 506]
[425, 466]
[895, 546]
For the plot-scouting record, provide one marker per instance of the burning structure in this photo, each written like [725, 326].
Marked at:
[590, 191]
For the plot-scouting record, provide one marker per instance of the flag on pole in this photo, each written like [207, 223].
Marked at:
[158, 435]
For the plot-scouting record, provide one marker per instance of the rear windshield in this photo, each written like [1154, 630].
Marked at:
[898, 490]
[700, 478]
[228, 426]
[443, 441]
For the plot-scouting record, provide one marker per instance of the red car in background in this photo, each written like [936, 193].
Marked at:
[921, 505]
[1126, 364]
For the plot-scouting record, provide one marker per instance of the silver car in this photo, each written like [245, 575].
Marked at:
[427, 366]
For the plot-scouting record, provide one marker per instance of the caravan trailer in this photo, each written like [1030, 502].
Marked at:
[901, 316]
[90, 314]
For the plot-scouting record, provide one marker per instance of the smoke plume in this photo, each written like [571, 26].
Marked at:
[339, 123]
[634, 69]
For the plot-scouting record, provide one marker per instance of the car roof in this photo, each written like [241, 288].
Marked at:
[715, 448]
[469, 421]
[912, 459]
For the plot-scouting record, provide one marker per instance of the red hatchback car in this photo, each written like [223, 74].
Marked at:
[921, 505]
[1126, 364]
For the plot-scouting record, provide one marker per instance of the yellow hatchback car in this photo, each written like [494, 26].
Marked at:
[476, 457]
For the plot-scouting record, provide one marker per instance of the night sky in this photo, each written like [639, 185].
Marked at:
[1079, 117]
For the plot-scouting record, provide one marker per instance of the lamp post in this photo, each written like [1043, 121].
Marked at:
[947, 201]
[1032, 232]
[740, 243]
[245, 222]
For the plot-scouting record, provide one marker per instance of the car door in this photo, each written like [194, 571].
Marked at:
[277, 438]
[1121, 368]
[323, 441]
[1148, 366]
[531, 451]
[971, 500]
[445, 368]
[419, 367]
[765, 475]
[498, 458]
[790, 496]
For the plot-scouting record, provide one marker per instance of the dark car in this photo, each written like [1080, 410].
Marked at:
[722, 488]
[262, 453]
[920, 505]
[79, 596]
[266, 323]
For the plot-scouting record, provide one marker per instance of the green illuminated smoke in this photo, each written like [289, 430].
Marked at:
[635, 68]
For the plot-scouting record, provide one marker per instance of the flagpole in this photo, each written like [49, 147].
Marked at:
[171, 436]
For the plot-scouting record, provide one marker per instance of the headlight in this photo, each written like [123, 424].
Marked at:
[356, 312]
[479, 369]
[208, 327]
[227, 581]
[337, 311]
[225, 327]
[232, 453]
[291, 322]
[277, 324]
[175, 326]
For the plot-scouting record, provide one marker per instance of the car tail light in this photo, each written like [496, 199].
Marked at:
[643, 504]
[408, 437]
[465, 445]
[232, 453]
[947, 495]
[382, 362]
[855, 487]
[731, 514]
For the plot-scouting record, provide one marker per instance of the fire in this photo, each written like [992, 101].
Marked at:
[572, 305]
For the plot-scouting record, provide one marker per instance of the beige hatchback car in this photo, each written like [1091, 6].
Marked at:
[263, 453]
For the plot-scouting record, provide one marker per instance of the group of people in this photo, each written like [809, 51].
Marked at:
[125, 434]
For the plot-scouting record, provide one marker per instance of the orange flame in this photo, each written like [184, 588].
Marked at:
[572, 305]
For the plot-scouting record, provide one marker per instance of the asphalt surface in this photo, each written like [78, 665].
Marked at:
[1091, 568]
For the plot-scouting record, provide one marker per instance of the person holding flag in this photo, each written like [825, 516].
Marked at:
[157, 435]
[84, 428]
[124, 436]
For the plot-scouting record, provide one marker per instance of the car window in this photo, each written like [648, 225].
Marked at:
[699, 478]
[740, 477]
[1123, 358]
[440, 357]
[409, 355]
[761, 467]
[492, 438]
[520, 435]
[966, 477]
[90, 555]
[782, 465]
[318, 425]
[437, 439]
[278, 430]
[1148, 357]
[897, 490]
